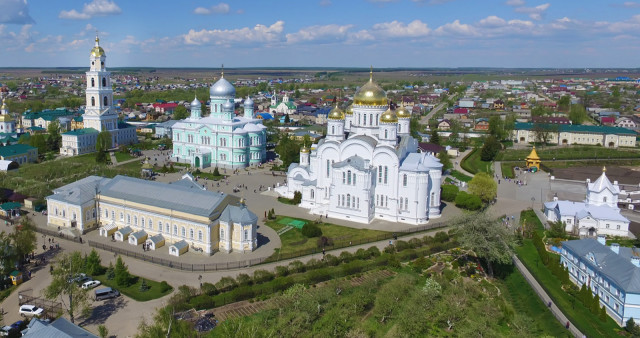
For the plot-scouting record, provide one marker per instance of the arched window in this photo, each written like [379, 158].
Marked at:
[159, 226]
[348, 200]
[246, 235]
[106, 103]
[93, 101]
[93, 212]
[200, 235]
[191, 233]
[175, 229]
[64, 213]
[379, 174]
[142, 222]
[404, 180]
[166, 228]
[333, 130]
[604, 199]
[135, 220]
[151, 225]
[93, 82]
[344, 176]
[386, 133]
[370, 119]
[433, 198]
[221, 233]
[106, 213]
[113, 215]
[104, 81]
[364, 118]
[328, 167]
[386, 174]
[349, 177]
[183, 232]
[128, 219]
[354, 178]
[121, 217]
[312, 193]
[406, 203]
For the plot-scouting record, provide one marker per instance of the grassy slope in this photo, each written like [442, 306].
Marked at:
[569, 153]
[473, 164]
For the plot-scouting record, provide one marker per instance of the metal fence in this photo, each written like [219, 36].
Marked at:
[256, 261]
[51, 308]
[58, 234]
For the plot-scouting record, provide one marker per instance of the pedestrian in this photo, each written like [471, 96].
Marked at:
[567, 325]
[49, 240]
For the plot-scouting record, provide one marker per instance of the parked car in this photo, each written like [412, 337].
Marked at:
[106, 293]
[30, 310]
[90, 284]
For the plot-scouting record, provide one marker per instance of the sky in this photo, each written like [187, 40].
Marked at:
[322, 33]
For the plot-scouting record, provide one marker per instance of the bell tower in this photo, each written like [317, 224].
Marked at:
[99, 114]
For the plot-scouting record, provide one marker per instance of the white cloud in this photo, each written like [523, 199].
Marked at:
[221, 8]
[396, 29]
[492, 20]
[327, 33]
[257, 34]
[515, 3]
[89, 10]
[535, 13]
[457, 28]
[626, 27]
[15, 11]
[325, 3]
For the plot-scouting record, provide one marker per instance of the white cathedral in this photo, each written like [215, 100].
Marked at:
[368, 166]
[598, 214]
[99, 112]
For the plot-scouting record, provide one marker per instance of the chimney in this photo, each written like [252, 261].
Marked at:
[636, 261]
[602, 239]
[588, 180]
[615, 247]
[555, 198]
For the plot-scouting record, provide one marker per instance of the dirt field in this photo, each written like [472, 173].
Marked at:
[624, 175]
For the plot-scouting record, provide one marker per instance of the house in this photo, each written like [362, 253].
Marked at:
[612, 273]
[482, 124]
[461, 111]
[77, 123]
[607, 120]
[629, 122]
[444, 125]
[551, 119]
[165, 108]
[498, 104]
[466, 103]
[408, 101]
[19, 153]
[567, 134]
[264, 116]
[164, 129]
[430, 148]
[300, 134]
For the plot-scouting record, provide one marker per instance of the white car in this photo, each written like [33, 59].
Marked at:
[30, 310]
[90, 284]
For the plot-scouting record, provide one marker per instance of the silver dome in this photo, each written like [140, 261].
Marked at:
[248, 102]
[196, 103]
[228, 105]
[222, 88]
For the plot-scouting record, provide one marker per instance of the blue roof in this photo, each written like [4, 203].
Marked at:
[15, 149]
[265, 116]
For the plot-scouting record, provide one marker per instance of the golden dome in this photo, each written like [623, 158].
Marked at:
[389, 116]
[5, 118]
[336, 114]
[349, 110]
[304, 150]
[403, 113]
[370, 94]
[97, 51]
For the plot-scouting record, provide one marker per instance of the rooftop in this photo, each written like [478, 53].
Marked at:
[571, 128]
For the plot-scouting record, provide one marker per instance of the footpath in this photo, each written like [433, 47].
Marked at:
[545, 297]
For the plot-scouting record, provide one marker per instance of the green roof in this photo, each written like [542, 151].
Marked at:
[83, 131]
[15, 149]
[10, 206]
[15, 273]
[290, 105]
[572, 128]
[36, 128]
[78, 118]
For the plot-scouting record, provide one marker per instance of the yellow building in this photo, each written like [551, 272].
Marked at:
[533, 160]
[168, 213]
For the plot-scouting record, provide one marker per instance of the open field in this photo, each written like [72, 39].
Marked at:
[624, 175]
[569, 153]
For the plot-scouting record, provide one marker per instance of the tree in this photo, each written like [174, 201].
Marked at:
[540, 111]
[557, 230]
[122, 275]
[297, 197]
[39, 142]
[8, 254]
[564, 102]
[24, 138]
[24, 238]
[93, 264]
[288, 150]
[544, 132]
[483, 186]
[180, 113]
[487, 237]
[287, 119]
[577, 114]
[216, 172]
[631, 326]
[435, 138]
[445, 159]
[67, 267]
[103, 143]
[55, 139]
[103, 331]
[449, 192]
[490, 148]
[496, 127]
[415, 127]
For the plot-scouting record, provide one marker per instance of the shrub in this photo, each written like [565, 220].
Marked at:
[164, 286]
[281, 271]
[401, 245]
[122, 276]
[296, 266]
[362, 254]
[297, 197]
[373, 251]
[440, 237]
[331, 260]
[201, 302]
[311, 230]
[143, 286]
[243, 279]
[319, 275]
[468, 201]
[216, 172]
[225, 284]
[324, 241]
[262, 276]
[313, 264]
[449, 192]
[415, 243]
[206, 288]
[389, 249]
[345, 257]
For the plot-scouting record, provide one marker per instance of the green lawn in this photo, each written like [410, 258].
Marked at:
[525, 301]
[569, 153]
[582, 317]
[286, 201]
[133, 291]
[293, 240]
[586, 163]
[209, 176]
[507, 169]
[473, 164]
[121, 157]
[460, 176]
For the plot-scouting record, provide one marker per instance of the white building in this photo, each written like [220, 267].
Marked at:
[221, 139]
[7, 123]
[597, 215]
[368, 166]
[285, 106]
[99, 113]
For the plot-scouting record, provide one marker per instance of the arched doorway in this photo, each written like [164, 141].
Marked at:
[611, 144]
[565, 142]
[522, 139]
[197, 162]
[592, 232]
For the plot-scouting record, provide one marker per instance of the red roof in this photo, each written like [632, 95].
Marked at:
[607, 119]
[165, 105]
[461, 111]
